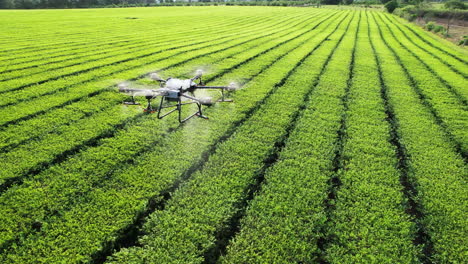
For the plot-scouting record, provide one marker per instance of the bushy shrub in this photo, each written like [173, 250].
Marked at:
[430, 25]
[464, 41]
[455, 4]
[391, 6]
[439, 29]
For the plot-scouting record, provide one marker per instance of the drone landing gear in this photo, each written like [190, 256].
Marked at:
[132, 102]
[178, 107]
[149, 108]
[224, 99]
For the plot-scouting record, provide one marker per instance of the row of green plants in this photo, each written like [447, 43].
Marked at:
[454, 64]
[433, 167]
[122, 148]
[446, 105]
[198, 214]
[14, 135]
[285, 220]
[435, 43]
[452, 72]
[368, 222]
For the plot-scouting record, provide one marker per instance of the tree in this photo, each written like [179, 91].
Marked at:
[331, 2]
[452, 5]
[455, 4]
[5, 4]
[391, 6]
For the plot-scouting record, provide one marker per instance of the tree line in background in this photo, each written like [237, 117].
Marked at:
[31, 4]
[390, 5]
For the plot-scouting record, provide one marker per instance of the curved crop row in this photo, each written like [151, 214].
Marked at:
[368, 221]
[453, 80]
[445, 105]
[434, 41]
[291, 202]
[434, 167]
[454, 64]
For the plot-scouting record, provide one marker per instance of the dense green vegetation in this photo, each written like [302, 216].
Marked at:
[348, 142]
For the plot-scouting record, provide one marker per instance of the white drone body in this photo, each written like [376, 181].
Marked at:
[173, 89]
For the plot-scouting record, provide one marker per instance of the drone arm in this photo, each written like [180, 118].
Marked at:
[201, 101]
[212, 87]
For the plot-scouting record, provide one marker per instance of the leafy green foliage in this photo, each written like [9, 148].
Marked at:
[391, 6]
[455, 4]
[347, 142]
[434, 167]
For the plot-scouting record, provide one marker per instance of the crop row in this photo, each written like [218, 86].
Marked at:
[454, 81]
[368, 222]
[285, 220]
[431, 163]
[454, 64]
[128, 142]
[198, 214]
[445, 105]
[15, 168]
[435, 42]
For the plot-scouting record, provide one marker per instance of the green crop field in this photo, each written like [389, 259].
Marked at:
[347, 142]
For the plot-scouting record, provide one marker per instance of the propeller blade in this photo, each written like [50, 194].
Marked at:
[156, 77]
[232, 87]
[198, 74]
[206, 101]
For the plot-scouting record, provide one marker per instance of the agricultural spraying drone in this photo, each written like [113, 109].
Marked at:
[180, 91]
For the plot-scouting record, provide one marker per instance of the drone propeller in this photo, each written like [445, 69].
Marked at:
[206, 101]
[203, 101]
[155, 76]
[198, 74]
[232, 87]
[125, 88]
